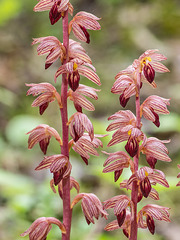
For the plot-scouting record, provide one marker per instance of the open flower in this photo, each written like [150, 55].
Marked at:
[145, 177]
[152, 194]
[119, 204]
[52, 46]
[125, 122]
[125, 226]
[74, 71]
[116, 162]
[154, 149]
[85, 146]
[151, 212]
[77, 52]
[125, 86]
[41, 227]
[79, 122]
[42, 135]
[91, 206]
[149, 64]
[81, 22]
[79, 100]
[47, 93]
[56, 7]
[152, 106]
[58, 164]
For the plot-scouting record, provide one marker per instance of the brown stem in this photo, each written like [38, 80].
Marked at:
[67, 212]
[134, 193]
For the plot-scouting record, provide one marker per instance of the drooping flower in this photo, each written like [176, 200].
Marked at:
[78, 123]
[151, 212]
[79, 100]
[154, 149]
[74, 70]
[125, 86]
[152, 106]
[116, 162]
[42, 135]
[119, 204]
[85, 146]
[56, 7]
[53, 47]
[41, 227]
[91, 206]
[125, 226]
[73, 184]
[58, 164]
[81, 22]
[149, 63]
[125, 122]
[145, 177]
[47, 93]
[77, 53]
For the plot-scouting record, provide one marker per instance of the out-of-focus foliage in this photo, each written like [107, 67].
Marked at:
[128, 29]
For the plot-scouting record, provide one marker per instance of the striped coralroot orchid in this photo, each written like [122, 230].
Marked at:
[91, 206]
[128, 128]
[152, 106]
[151, 212]
[47, 93]
[51, 46]
[77, 132]
[79, 100]
[56, 8]
[81, 22]
[41, 227]
[42, 135]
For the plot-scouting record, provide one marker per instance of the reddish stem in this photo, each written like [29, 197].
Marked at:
[67, 212]
[134, 193]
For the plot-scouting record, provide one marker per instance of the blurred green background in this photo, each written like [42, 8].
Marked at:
[129, 27]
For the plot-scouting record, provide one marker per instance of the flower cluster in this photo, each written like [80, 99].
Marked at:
[128, 128]
[74, 63]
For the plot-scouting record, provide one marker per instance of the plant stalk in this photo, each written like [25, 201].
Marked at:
[67, 212]
[134, 193]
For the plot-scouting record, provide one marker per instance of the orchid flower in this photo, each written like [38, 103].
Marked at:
[91, 206]
[41, 227]
[151, 212]
[81, 22]
[56, 7]
[42, 135]
[47, 93]
[52, 46]
[152, 106]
